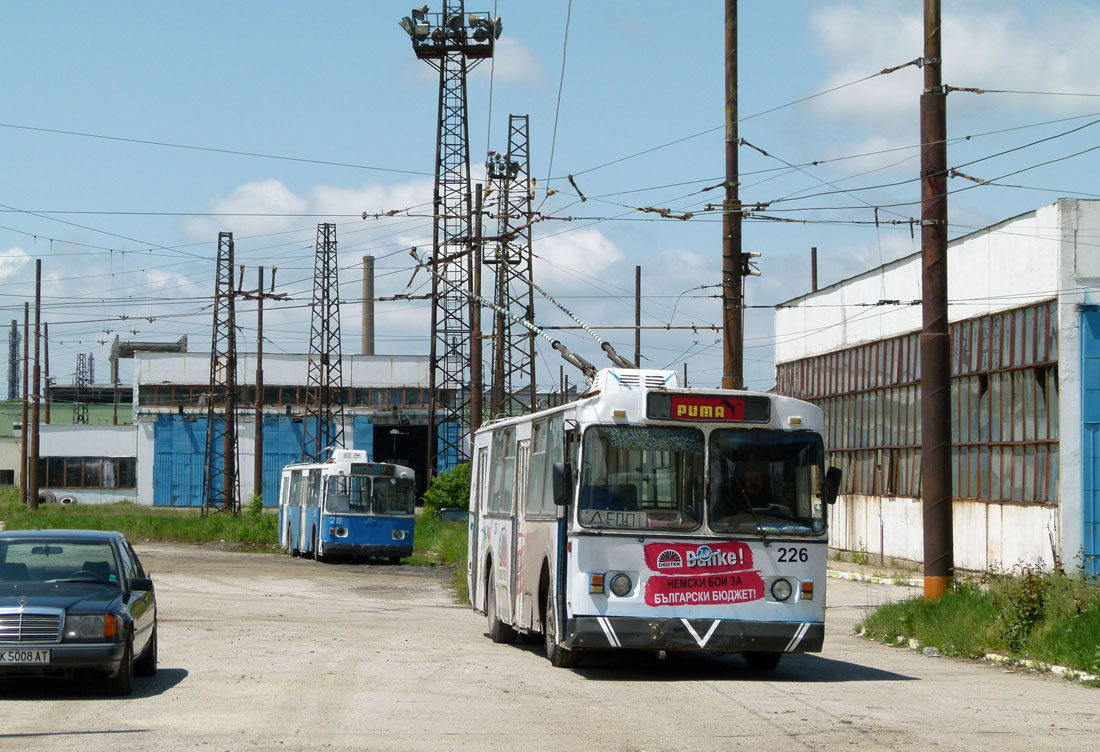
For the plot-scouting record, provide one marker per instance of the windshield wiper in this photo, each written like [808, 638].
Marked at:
[755, 519]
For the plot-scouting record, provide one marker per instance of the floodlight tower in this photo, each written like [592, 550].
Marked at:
[513, 391]
[452, 43]
[323, 426]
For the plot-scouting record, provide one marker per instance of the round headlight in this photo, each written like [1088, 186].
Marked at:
[781, 590]
[621, 585]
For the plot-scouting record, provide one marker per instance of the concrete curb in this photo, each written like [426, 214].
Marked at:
[840, 574]
[1069, 674]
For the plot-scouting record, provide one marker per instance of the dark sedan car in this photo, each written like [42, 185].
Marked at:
[75, 601]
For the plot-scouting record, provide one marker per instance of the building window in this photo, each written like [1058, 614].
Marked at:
[1004, 391]
[88, 472]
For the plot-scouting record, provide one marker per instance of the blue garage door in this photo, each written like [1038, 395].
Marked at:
[1090, 440]
[177, 460]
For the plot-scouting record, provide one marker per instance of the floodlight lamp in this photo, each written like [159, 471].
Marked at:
[419, 14]
[455, 22]
[407, 24]
[422, 31]
[473, 20]
[480, 34]
[496, 27]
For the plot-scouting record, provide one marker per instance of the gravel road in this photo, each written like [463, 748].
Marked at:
[268, 652]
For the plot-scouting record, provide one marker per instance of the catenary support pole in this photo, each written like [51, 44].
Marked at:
[638, 316]
[36, 386]
[24, 429]
[732, 261]
[476, 363]
[939, 567]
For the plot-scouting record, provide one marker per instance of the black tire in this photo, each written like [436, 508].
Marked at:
[558, 656]
[317, 546]
[498, 630]
[122, 683]
[395, 559]
[760, 660]
[290, 547]
[146, 665]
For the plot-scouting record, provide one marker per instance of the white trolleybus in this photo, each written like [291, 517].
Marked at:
[347, 506]
[649, 517]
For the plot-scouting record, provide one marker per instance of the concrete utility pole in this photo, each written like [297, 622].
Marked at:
[36, 385]
[24, 430]
[477, 375]
[935, 343]
[46, 376]
[258, 446]
[638, 316]
[733, 264]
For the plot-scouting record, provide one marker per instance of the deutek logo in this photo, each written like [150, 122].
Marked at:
[669, 559]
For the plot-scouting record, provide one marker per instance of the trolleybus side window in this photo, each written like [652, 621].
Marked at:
[480, 478]
[295, 498]
[767, 479]
[504, 471]
[313, 496]
[642, 477]
[546, 449]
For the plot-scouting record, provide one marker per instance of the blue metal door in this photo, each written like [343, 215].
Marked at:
[177, 460]
[1090, 439]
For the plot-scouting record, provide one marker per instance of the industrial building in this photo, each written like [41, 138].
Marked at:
[1025, 337]
[158, 459]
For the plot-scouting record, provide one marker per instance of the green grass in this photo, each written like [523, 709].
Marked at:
[436, 543]
[1048, 617]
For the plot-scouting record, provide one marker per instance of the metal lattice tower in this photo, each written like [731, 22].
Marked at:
[452, 43]
[324, 419]
[220, 488]
[13, 361]
[513, 390]
[81, 382]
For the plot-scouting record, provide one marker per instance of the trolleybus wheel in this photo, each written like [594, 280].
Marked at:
[558, 656]
[317, 555]
[290, 547]
[761, 661]
[498, 630]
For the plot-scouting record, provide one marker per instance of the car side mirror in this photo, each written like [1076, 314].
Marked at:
[563, 482]
[831, 488]
[143, 584]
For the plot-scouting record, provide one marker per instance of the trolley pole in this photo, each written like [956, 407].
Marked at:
[733, 264]
[939, 566]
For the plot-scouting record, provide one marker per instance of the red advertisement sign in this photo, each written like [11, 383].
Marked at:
[717, 589]
[695, 558]
[702, 408]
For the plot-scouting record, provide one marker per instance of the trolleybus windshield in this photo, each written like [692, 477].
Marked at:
[765, 479]
[361, 494]
[637, 477]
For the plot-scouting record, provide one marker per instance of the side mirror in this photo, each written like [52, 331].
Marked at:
[141, 584]
[831, 487]
[563, 482]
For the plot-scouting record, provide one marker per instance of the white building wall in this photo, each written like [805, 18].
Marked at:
[282, 369]
[89, 441]
[1050, 253]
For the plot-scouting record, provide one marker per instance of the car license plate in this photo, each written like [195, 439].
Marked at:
[25, 657]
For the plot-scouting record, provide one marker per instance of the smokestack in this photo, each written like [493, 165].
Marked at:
[368, 305]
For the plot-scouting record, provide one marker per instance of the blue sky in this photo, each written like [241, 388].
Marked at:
[129, 230]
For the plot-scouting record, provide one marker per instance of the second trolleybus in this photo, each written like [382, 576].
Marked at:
[347, 506]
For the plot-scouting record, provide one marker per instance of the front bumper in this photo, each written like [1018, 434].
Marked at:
[66, 658]
[718, 635]
[365, 549]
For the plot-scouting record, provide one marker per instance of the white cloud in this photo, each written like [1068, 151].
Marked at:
[263, 197]
[570, 257]
[513, 63]
[987, 44]
[12, 260]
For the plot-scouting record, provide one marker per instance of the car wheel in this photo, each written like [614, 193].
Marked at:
[122, 683]
[558, 656]
[760, 660]
[498, 630]
[146, 665]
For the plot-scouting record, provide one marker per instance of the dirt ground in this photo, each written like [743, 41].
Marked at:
[262, 651]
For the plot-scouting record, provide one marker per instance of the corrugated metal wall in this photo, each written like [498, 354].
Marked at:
[1090, 437]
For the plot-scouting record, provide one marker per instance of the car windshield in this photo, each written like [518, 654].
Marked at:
[763, 479]
[635, 477]
[57, 560]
